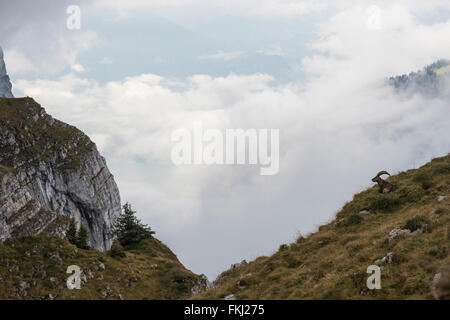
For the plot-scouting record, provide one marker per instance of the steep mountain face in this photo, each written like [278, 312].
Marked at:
[405, 233]
[5, 84]
[50, 171]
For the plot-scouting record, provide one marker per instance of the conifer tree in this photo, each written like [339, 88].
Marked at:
[83, 237]
[129, 229]
[71, 233]
[117, 250]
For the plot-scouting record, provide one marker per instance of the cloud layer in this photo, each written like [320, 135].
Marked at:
[264, 9]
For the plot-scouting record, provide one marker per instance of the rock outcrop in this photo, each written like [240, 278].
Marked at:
[5, 84]
[441, 284]
[201, 285]
[50, 170]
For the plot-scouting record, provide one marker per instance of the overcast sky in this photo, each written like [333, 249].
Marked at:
[137, 70]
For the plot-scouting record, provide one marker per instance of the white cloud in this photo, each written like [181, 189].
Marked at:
[35, 37]
[273, 51]
[221, 55]
[53, 55]
[106, 60]
[17, 63]
[78, 68]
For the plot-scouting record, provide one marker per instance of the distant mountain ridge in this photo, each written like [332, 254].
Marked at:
[432, 80]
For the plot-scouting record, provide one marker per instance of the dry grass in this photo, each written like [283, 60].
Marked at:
[41, 262]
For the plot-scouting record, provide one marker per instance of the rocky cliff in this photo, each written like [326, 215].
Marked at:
[5, 84]
[50, 171]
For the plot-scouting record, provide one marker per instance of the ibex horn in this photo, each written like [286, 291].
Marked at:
[381, 173]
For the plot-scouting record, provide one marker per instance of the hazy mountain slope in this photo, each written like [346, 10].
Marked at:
[432, 81]
[332, 263]
[35, 268]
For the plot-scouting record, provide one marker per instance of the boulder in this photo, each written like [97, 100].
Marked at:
[386, 259]
[440, 287]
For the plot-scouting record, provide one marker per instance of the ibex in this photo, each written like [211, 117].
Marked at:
[385, 187]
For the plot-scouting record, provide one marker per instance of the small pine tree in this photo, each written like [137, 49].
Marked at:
[129, 229]
[117, 250]
[71, 233]
[83, 237]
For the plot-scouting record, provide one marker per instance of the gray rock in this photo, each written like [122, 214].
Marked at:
[364, 212]
[237, 265]
[23, 285]
[440, 287]
[89, 274]
[240, 284]
[230, 297]
[107, 292]
[201, 285]
[68, 178]
[83, 278]
[441, 198]
[395, 233]
[101, 266]
[56, 257]
[5, 84]
[386, 259]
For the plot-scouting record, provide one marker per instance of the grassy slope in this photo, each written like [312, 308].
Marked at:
[41, 263]
[40, 136]
[331, 263]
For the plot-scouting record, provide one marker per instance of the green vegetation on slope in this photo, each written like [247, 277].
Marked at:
[332, 262]
[41, 137]
[35, 268]
[129, 230]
